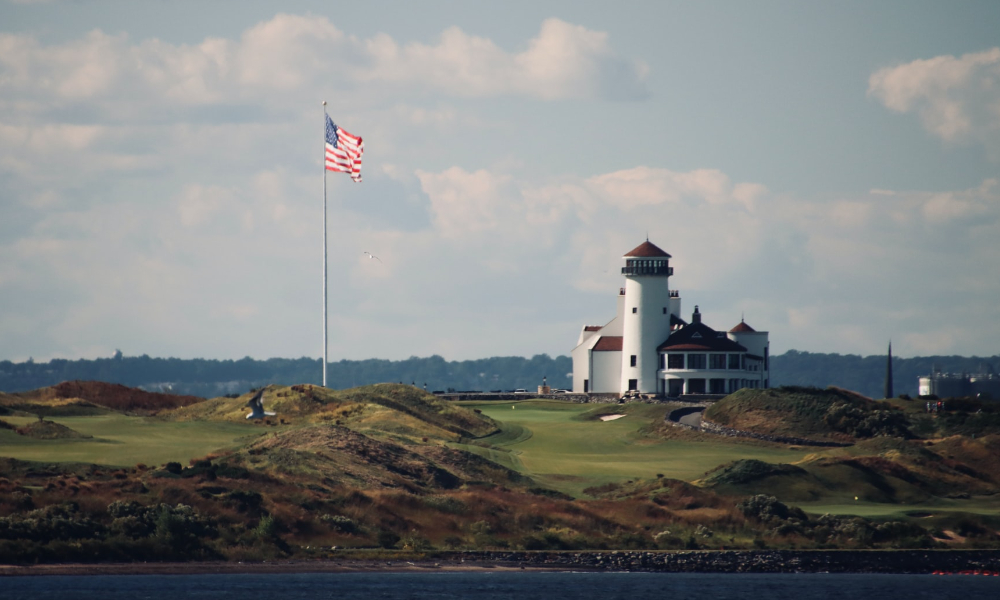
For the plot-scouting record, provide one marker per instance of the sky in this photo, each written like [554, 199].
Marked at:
[827, 171]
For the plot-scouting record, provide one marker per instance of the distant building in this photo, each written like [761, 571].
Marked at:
[985, 384]
[649, 349]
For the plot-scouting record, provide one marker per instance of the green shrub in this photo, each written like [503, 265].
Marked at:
[387, 539]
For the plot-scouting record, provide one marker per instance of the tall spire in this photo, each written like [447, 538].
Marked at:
[888, 374]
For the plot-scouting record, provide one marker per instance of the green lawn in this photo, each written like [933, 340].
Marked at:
[549, 441]
[979, 506]
[121, 440]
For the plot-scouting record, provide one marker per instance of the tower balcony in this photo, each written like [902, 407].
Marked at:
[647, 270]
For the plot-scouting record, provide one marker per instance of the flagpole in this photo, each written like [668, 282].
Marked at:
[325, 337]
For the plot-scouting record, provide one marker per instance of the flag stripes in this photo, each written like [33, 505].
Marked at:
[343, 150]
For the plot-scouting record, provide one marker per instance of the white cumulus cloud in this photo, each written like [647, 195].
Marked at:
[304, 54]
[957, 99]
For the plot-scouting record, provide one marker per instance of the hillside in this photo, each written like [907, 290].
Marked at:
[894, 453]
[81, 397]
[47, 430]
[339, 456]
[391, 467]
[830, 415]
[388, 409]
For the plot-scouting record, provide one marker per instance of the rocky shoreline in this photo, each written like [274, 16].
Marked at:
[722, 561]
[761, 561]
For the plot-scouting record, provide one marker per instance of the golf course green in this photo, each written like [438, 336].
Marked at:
[567, 447]
[124, 441]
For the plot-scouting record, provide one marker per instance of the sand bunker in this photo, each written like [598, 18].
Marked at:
[611, 417]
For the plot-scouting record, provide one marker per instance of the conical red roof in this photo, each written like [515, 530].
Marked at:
[646, 249]
[742, 327]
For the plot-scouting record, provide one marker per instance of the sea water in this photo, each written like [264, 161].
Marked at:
[501, 585]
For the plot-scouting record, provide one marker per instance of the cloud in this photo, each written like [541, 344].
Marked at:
[957, 99]
[184, 215]
[828, 275]
[294, 55]
[501, 264]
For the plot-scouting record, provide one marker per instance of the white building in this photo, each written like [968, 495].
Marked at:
[649, 349]
[985, 384]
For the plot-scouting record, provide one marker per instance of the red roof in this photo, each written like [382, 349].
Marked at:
[647, 249]
[742, 328]
[593, 327]
[609, 343]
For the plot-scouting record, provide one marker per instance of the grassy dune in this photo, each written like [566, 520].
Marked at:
[391, 466]
[562, 446]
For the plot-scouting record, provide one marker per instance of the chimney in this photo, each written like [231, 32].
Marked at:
[696, 316]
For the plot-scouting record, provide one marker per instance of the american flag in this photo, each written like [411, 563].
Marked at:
[343, 150]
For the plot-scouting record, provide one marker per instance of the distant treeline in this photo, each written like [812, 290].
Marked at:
[866, 374]
[209, 378]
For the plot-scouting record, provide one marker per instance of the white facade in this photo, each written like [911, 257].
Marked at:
[648, 308]
[649, 349]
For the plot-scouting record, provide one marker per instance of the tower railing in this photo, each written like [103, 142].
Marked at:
[644, 270]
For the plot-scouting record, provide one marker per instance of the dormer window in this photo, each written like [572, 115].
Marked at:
[696, 335]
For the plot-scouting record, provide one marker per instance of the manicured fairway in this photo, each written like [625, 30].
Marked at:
[550, 442]
[980, 506]
[121, 440]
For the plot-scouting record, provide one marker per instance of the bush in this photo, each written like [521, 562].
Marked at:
[267, 528]
[387, 539]
[767, 508]
[340, 523]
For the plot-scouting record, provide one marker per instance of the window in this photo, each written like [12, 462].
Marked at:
[675, 361]
[716, 361]
[663, 361]
[734, 362]
[664, 310]
[696, 361]
[635, 309]
[586, 386]
[633, 384]
[632, 361]
[675, 387]
[696, 386]
[717, 386]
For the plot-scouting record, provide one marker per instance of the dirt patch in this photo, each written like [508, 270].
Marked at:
[120, 397]
[611, 417]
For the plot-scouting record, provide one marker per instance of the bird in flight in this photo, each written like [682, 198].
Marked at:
[256, 404]
[370, 255]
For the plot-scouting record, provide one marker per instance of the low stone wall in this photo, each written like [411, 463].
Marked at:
[730, 432]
